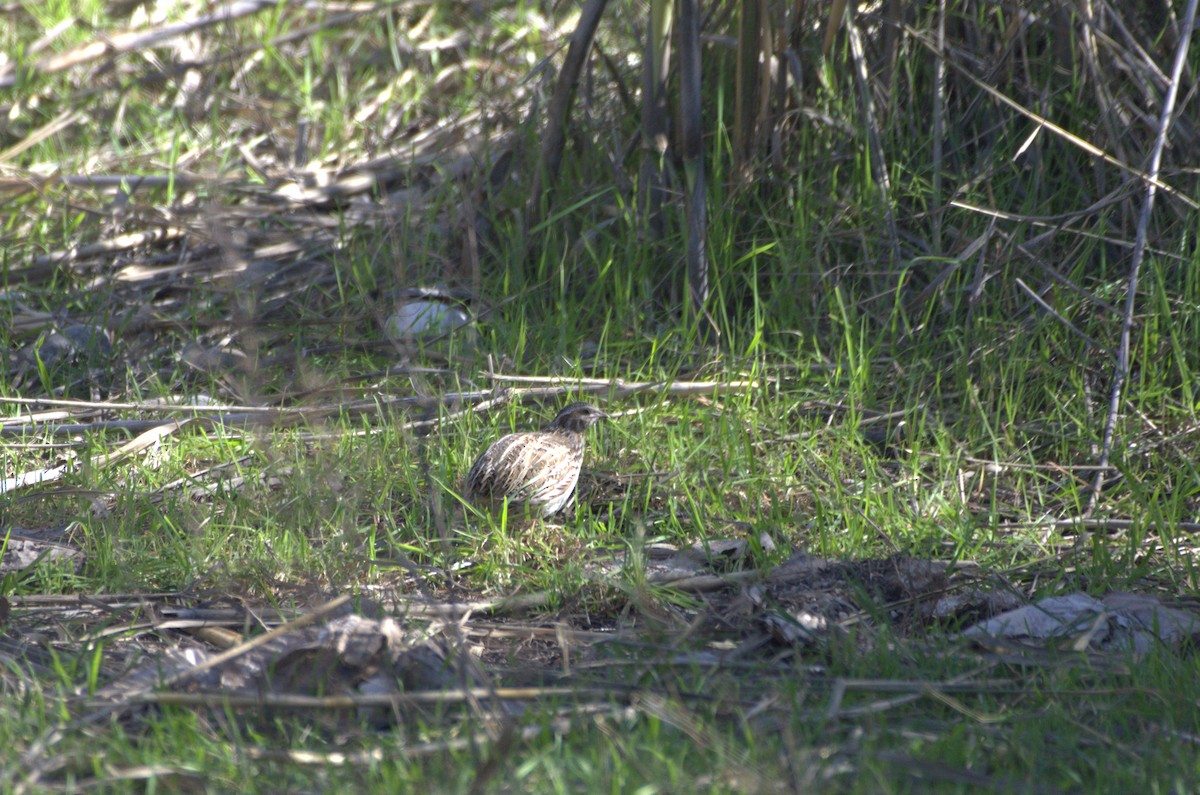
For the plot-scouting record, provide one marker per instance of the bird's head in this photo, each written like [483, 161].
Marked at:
[576, 417]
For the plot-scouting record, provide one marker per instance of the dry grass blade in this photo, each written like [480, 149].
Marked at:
[973, 248]
[151, 407]
[44, 425]
[1055, 228]
[142, 441]
[47, 130]
[33, 477]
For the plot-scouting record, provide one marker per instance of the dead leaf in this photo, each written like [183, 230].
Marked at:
[1116, 622]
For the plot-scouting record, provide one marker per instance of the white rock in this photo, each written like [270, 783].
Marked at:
[421, 318]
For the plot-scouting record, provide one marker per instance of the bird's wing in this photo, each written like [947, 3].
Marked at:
[525, 466]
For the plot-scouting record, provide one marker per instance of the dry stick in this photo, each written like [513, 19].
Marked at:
[118, 243]
[161, 407]
[36, 601]
[1121, 369]
[555, 387]
[250, 416]
[304, 620]
[150, 432]
[1100, 524]
[146, 439]
[133, 182]
[223, 698]
[939, 104]
[1019, 466]
[620, 387]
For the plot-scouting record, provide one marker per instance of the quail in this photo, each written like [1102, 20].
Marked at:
[538, 469]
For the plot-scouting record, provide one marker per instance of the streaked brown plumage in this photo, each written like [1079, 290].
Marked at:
[538, 469]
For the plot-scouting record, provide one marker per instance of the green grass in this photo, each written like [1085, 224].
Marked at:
[889, 411]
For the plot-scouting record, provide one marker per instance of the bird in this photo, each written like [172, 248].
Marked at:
[537, 469]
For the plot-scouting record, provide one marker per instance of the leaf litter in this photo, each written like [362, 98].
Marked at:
[334, 657]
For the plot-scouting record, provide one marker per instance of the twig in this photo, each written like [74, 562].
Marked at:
[223, 698]
[555, 387]
[165, 408]
[621, 388]
[939, 111]
[72, 600]
[1121, 369]
[1100, 524]
[119, 243]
